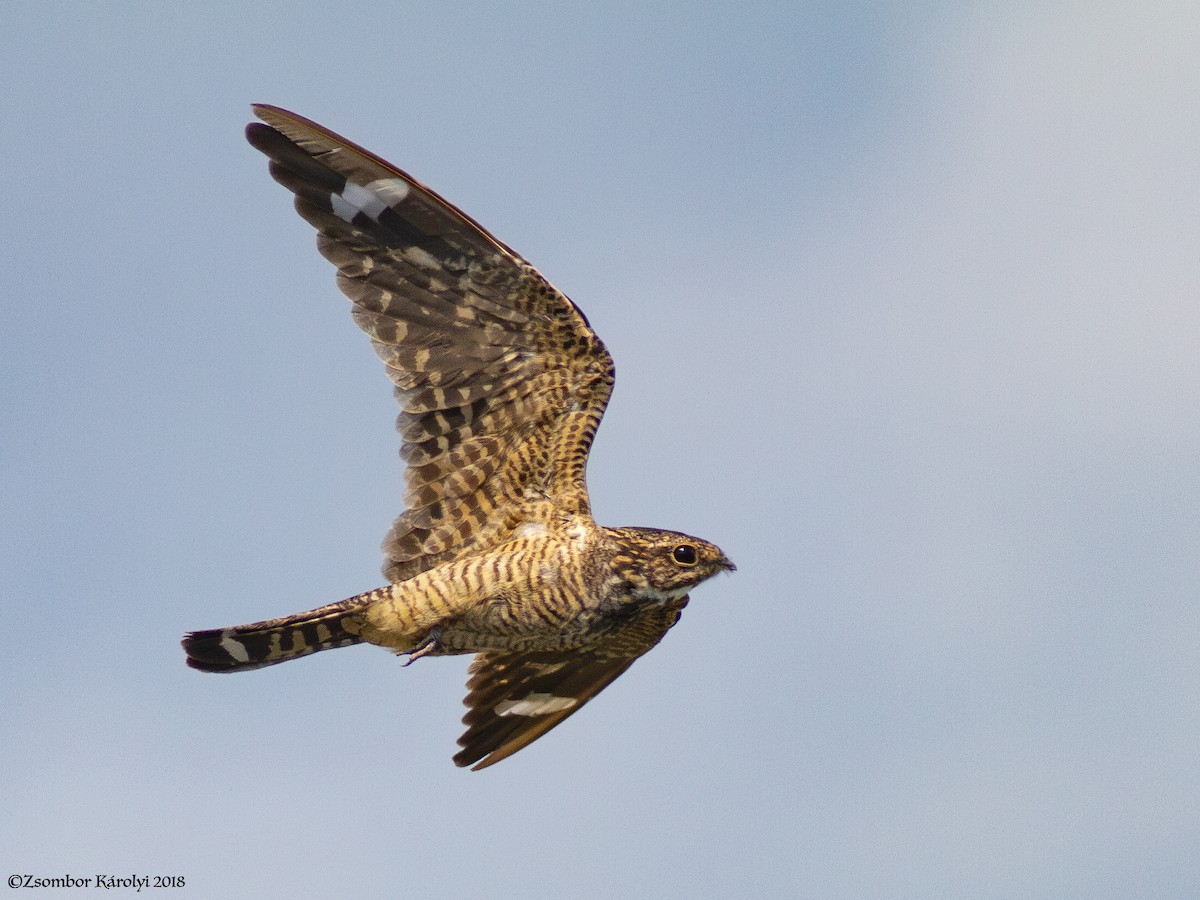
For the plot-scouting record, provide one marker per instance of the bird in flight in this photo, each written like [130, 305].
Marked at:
[501, 384]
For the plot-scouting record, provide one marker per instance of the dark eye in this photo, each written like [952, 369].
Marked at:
[684, 554]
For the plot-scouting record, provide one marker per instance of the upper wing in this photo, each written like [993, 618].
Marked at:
[514, 698]
[501, 380]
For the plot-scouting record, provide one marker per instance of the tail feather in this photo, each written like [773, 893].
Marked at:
[266, 643]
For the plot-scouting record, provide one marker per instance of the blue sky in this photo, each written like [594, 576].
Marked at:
[904, 309]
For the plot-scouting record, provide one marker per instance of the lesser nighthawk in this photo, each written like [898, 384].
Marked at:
[501, 383]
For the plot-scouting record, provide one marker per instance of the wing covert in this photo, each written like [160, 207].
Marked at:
[500, 379]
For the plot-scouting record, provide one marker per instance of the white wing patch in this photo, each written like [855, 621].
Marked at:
[370, 200]
[534, 705]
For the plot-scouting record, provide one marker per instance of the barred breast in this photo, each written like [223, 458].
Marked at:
[537, 591]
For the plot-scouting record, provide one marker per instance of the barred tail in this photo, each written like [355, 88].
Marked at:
[275, 640]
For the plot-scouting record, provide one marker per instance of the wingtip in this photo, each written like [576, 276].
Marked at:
[463, 759]
[277, 115]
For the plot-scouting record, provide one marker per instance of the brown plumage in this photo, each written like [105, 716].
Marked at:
[502, 384]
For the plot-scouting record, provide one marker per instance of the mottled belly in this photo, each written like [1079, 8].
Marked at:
[503, 625]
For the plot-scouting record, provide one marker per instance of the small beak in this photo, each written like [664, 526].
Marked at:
[727, 564]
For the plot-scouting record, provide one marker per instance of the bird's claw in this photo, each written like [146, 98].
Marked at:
[427, 646]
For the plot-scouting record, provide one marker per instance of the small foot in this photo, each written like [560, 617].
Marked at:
[427, 646]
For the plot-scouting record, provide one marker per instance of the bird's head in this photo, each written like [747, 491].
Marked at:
[664, 565]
